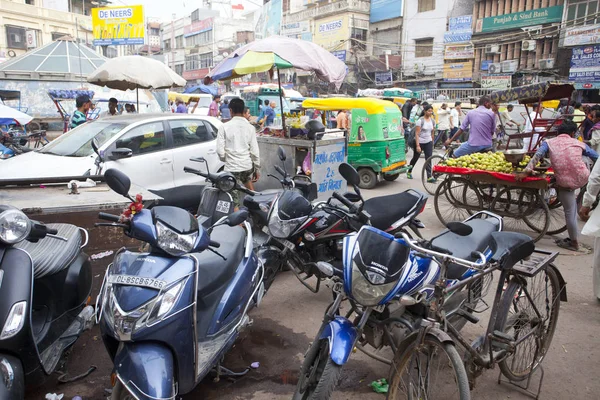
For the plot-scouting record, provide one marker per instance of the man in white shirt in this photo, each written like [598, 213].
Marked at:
[443, 125]
[113, 110]
[533, 115]
[455, 118]
[238, 149]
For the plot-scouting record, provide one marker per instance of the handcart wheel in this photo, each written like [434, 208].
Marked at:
[456, 199]
[522, 211]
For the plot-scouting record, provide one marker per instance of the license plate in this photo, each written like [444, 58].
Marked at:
[131, 280]
[223, 206]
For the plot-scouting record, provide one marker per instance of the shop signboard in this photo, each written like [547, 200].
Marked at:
[383, 78]
[118, 25]
[198, 27]
[330, 32]
[485, 64]
[498, 82]
[459, 52]
[382, 10]
[340, 54]
[521, 19]
[582, 35]
[295, 29]
[459, 29]
[326, 175]
[585, 64]
[458, 72]
[272, 12]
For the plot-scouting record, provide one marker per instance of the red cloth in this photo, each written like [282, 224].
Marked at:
[468, 171]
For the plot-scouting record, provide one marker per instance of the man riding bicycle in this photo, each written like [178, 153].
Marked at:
[482, 123]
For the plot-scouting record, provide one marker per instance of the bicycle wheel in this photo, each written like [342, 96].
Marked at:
[517, 317]
[431, 162]
[431, 370]
[450, 200]
[536, 213]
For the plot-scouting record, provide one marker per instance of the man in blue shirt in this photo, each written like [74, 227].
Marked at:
[270, 114]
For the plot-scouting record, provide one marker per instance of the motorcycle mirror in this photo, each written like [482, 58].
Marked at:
[237, 218]
[281, 153]
[95, 148]
[349, 174]
[118, 181]
[459, 228]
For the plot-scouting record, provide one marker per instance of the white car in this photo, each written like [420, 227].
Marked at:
[151, 149]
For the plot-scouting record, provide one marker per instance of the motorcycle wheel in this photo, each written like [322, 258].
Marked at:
[120, 392]
[319, 374]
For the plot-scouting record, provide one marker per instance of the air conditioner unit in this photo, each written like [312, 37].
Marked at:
[528, 45]
[547, 63]
[510, 66]
[492, 49]
[494, 68]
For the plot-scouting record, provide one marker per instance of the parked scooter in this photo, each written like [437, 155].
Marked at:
[46, 281]
[168, 317]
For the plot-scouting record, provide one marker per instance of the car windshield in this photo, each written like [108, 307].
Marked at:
[78, 142]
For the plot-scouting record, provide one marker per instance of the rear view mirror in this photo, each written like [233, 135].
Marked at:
[349, 174]
[95, 146]
[117, 181]
[237, 218]
[281, 153]
[121, 152]
[459, 228]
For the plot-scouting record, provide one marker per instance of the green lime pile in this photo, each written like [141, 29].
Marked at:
[494, 162]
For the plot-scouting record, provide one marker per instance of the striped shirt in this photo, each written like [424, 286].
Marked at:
[77, 119]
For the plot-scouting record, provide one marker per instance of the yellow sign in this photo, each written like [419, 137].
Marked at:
[458, 72]
[118, 25]
[331, 32]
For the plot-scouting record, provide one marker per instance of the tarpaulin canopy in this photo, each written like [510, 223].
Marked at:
[533, 93]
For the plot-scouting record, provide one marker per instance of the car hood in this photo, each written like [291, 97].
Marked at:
[40, 165]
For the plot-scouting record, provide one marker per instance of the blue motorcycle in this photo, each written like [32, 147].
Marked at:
[167, 317]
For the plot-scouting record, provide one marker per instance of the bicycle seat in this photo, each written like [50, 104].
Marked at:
[386, 210]
[462, 246]
[510, 248]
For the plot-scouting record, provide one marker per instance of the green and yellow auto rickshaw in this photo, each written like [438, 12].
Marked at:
[376, 142]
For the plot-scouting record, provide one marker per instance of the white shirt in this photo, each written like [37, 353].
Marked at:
[443, 119]
[455, 118]
[528, 124]
[237, 146]
[108, 114]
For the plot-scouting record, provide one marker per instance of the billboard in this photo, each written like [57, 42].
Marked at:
[385, 9]
[520, 19]
[272, 12]
[585, 64]
[118, 25]
[459, 52]
[383, 78]
[498, 82]
[459, 29]
[330, 32]
[582, 35]
[198, 27]
[458, 72]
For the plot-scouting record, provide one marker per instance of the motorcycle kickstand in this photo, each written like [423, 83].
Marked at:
[226, 372]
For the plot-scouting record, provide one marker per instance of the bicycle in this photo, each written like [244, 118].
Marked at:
[431, 162]
[523, 318]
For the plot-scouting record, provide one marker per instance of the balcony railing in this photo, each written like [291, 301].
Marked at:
[323, 10]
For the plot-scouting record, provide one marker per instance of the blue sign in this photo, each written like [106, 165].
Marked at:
[585, 64]
[385, 9]
[383, 78]
[459, 29]
[341, 54]
[485, 64]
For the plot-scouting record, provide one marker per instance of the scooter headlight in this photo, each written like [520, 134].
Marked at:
[367, 293]
[174, 243]
[279, 228]
[226, 183]
[15, 320]
[14, 226]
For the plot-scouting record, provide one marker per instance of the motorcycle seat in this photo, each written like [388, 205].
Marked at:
[385, 210]
[511, 247]
[51, 255]
[463, 246]
[213, 271]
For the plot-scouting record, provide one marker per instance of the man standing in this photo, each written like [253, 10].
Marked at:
[533, 115]
[407, 108]
[270, 114]
[342, 120]
[592, 227]
[455, 118]
[181, 108]
[443, 124]
[83, 104]
[482, 122]
[213, 109]
[237, 147]
[113, 105]
[225, 112]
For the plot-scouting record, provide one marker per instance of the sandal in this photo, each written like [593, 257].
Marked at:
[566, 244]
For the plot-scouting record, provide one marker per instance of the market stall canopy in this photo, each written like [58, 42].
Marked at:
[282, 53]
[370, 105]
[533, 93]
[63, 56]
[135, 72]
[8, 115]
[197, 89]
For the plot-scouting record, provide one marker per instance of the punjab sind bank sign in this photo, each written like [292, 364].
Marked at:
[521, 19]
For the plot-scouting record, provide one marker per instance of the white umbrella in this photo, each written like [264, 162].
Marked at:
[135, 72]
[8, 113]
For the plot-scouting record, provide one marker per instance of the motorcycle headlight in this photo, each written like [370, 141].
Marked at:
[365, 292]
[226, 183]
[174, 243]
[14, 226]
[282, 229]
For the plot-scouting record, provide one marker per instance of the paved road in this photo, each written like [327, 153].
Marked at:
[290, 315]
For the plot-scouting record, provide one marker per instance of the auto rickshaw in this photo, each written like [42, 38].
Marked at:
[375, 138]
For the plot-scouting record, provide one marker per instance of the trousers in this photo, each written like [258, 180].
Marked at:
[427, 148]
[569, 203]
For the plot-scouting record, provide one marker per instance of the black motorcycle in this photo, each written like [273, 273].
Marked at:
[46, 280]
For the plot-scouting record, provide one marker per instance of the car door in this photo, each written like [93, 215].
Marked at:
[151, 162]
[192, 138]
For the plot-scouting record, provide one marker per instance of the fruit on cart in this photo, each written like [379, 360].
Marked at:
[525, 161]
[494, 162]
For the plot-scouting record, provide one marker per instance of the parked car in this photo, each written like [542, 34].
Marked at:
[150, 148]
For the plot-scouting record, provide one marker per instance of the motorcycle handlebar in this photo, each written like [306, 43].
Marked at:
[280, 170]
[344, 201]
[194, 171]
[108, 217]
[51, 231]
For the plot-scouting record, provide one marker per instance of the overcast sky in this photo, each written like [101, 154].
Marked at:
[164, 9]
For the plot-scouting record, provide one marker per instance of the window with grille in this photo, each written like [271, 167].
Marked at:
[179, 42]
[179, 69]
[57, 35]
[426, 5]
[583, 12]
[423, 48]
[198, 61]
[167, 45]
[360, 36]
[200, 39]
[15, 38]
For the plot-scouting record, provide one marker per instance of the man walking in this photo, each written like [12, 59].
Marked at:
[181, 108]
[592, 227]
[482, 123]
[455, 118]
[83, 104]
[407, 108]
[443, 124]
[238, 149]
[213, 109]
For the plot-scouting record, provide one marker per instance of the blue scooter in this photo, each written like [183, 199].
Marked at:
[167, 317]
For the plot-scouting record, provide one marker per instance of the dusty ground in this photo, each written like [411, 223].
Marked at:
[290, 315]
